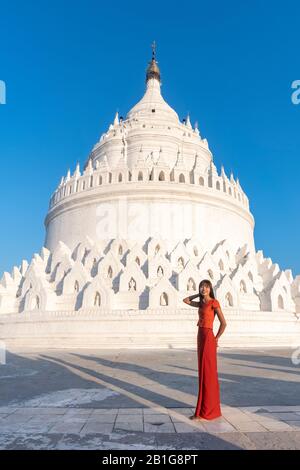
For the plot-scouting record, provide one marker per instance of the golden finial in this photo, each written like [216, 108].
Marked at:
[153, 70]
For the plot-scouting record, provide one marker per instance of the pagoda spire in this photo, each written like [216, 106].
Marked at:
[153, 45]
[153, 69]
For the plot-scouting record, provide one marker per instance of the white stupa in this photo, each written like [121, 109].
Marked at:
[134, 233]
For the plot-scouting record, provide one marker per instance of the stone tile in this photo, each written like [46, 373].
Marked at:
[250, 414]
[249, 426]
[53, 411]
[245, 418]
[78, 412]
[234, 411]
[122, 424]
[180, 418]
[282, 408]
[10, 428]
[193, 441]
[177, 413]
[294, 424]
[34, 428]
[218, 427]
[286, 416]
[237, 440]
[97, 428]
[133, 422]
[274, 440]
[14, 419]
[74, 419]
[157, 418]
[265, 418]
[184, 411]
[155, 410]
[134, 417]
[136, 425]
[28, 411]
[46, 419]
[67, 427]
[251, 409]
[185, 427]
[102, 411]
[101, 418]
[165, 427]
[277, 426]
[129, 411]
[7, 409]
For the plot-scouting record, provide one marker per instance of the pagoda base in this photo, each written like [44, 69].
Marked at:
[134, 329]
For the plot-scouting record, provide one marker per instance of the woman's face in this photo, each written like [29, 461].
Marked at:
[205, 290]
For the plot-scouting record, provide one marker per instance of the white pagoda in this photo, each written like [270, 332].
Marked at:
[134, 233]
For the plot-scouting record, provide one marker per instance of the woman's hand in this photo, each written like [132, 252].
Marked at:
[216, 341]
[189, 300]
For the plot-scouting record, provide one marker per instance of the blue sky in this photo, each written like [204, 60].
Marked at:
[68, 65]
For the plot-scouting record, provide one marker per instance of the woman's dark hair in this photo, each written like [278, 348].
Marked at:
[211, 292]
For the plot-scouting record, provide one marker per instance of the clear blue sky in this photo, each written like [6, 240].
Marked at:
[68, 65]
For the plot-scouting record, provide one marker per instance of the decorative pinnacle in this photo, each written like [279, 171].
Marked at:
[188, 121]
[77, 170]
[116, 120]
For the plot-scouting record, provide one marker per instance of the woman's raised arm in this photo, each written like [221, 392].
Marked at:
[189, 300]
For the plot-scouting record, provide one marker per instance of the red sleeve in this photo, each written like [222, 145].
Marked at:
[216, 304]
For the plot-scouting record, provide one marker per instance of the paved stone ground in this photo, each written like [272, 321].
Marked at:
[141, 399]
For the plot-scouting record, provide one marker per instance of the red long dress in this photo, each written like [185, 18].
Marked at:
[208, 404]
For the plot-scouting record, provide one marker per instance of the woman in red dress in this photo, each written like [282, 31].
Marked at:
[208, 404]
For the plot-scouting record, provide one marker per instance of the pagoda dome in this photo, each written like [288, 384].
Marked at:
[153, 106]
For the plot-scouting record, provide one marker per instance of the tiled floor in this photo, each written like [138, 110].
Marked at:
[147, 420]
[142, 399]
